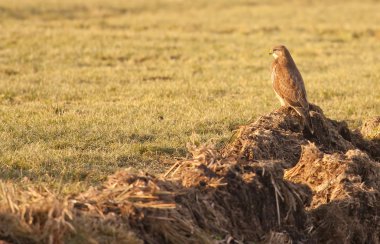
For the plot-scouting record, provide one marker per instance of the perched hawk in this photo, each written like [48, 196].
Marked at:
[288, 84]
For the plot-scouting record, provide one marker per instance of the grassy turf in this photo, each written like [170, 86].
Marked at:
[88, 87]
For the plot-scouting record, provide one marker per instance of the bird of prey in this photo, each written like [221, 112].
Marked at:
[288, 84]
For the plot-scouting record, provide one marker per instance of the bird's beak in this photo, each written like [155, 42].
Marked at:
[270, 51]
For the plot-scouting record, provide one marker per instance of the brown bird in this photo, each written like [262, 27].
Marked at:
[288, 84]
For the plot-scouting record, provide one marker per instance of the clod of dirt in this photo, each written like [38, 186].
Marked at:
[371, 128]
[368, 139]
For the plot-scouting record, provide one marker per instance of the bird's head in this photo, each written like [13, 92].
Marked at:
[278, 51]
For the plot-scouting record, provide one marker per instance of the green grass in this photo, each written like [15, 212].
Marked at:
[88, 87]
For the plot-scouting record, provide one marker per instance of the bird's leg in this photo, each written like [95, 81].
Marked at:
[284, 105]
[282, 101]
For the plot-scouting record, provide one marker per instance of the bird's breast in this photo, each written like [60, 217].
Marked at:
[273, 75]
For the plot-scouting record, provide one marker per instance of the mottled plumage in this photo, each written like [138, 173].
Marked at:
[288, 84]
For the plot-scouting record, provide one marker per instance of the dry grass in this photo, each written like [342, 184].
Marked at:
[88, 87]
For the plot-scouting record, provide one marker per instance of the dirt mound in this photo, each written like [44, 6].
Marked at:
[279, 136]
[346, 197]
[273, 183]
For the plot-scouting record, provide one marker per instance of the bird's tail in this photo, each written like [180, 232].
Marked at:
[306, 118]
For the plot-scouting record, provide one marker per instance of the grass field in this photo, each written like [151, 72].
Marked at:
[88, 87]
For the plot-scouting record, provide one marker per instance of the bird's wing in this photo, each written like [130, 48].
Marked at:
[292, 89]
